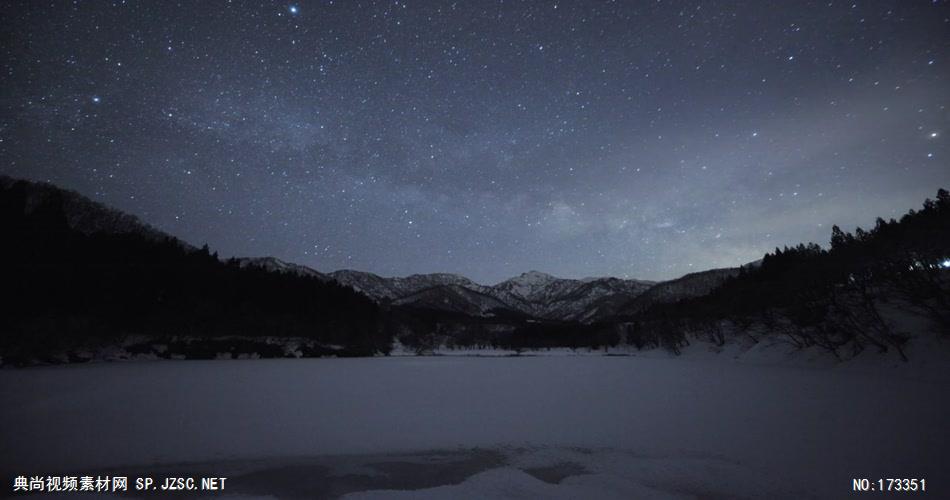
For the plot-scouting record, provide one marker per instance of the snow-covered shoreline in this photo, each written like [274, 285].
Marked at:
[927, 354]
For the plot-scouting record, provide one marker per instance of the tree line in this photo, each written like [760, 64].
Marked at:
[841, 299]
[66, 290]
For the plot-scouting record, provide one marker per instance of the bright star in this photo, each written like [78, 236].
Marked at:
[294, 9]
[96, 99]
[934, 135]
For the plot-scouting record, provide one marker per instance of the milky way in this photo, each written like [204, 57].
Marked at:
[639, 139]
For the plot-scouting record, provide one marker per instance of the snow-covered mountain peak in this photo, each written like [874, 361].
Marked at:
[439, 279]
[379, 288]
[374, 286]
[534, 277]
[527, 285]
[529, 278]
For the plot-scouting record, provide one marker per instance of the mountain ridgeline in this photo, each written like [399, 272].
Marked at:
[82, 277]
[533, 293]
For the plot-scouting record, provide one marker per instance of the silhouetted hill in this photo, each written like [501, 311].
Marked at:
[77, 274]
[862, 292]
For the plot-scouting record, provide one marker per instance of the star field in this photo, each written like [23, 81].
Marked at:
[634, 139]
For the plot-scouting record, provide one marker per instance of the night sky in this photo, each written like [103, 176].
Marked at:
[634, 139]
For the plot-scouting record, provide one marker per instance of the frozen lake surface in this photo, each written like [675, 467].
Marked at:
[465, 427]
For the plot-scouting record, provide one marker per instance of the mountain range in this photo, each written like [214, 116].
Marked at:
[532, 294]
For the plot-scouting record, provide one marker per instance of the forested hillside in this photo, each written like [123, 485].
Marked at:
[844, 299]
[66, 288]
